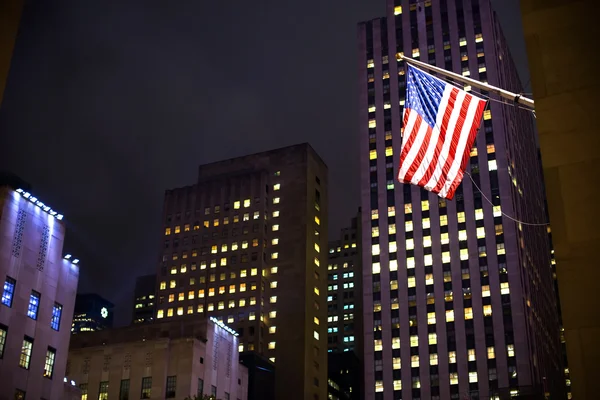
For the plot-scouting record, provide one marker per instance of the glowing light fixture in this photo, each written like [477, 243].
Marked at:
[222, 325]
[67, 256]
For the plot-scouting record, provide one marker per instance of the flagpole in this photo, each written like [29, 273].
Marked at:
[515, 97]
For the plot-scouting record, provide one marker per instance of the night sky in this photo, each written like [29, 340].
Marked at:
[107, 105]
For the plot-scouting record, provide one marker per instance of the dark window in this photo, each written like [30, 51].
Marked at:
[317, 180]
[146, 387]
[19, 394]
[34, 305]
[213, 390]
[124, 391]
[9, 291]
[171, 387]
[200, 387]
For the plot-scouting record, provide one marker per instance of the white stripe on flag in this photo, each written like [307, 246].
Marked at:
[416, 146]
[460, 151]
[435, 137]
[439, 168]
[410, 124]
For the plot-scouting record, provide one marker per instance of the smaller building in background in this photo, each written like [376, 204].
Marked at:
[144, 302]
[92, 313]
[261, 376]
[344, 376]
[344, 293]
[171, 360]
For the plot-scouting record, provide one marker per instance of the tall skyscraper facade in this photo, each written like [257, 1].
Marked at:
[458, 298]
[247, 244]
[38, 295]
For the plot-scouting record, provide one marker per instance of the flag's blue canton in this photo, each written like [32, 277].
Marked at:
[424, 94]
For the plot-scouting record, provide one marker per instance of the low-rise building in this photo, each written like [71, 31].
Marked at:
[38, 295]
[171, 360]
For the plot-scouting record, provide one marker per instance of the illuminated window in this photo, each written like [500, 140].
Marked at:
[179, 310]
[375, 249]
[378, 386]
[236, 205]
[433, 359]
[273, 270]
[408, 226]
[504, 289]
[316, 289]
[272, 329]
[372, 154]
[429, 279]
[443, 220]
[273, 299]
[468, 313]
[411, 281]
[464, 254]
[395, 343]
[372, 123]
[277, 186]
[396, 363]
[271, 345]
[272, 314]
[167, 231]
[397, 10]
[449, 315]
[252, 316]
[510, 349]
[414, 361]
[274, 256]
[431, 318]
[471, 355]
[414, 341]
[452, 357]
[410, 244]
[425, 205]
[432, 338]
[472, 377]
[480, 232]
[242, 302]
[160, 314]
[273, 284]
[426, 241]
[316, 335]
[478, 38]
[393, 265]
[487, 114]
[491, 352]
[177, 229]
[163, 285]
[408, 208]
[170, 312]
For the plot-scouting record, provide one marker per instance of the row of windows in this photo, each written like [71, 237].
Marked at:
[170, 312]
[146, 389]
[222, 276]
[242, 302]
[34, 303]
[217, 221]
[26, 350]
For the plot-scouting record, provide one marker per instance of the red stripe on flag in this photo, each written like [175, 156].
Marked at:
[420, 155]
[441, 138]
[467, 153]
[453, 145]
[411, 139]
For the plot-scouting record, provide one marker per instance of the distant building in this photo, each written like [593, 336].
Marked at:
[92, 313]
[261, 376]
[344, 376]
[247, 244]
[38, 295]
[168, 360]
[344, 294]
[144, 302]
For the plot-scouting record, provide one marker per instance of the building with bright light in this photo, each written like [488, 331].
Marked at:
[92, 313]
[166, 360]
[458, 299]
[144, 303]
[38, 295]
[247, 244]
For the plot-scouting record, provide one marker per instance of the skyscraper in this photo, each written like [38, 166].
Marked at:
[92, 313]
[458, 298]
[38, 295]
[247, 244]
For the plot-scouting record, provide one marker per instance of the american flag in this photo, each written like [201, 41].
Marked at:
[440, 125]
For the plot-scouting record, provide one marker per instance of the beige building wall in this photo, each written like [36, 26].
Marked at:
[190, 351]
[561, 43]
[31, 245]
